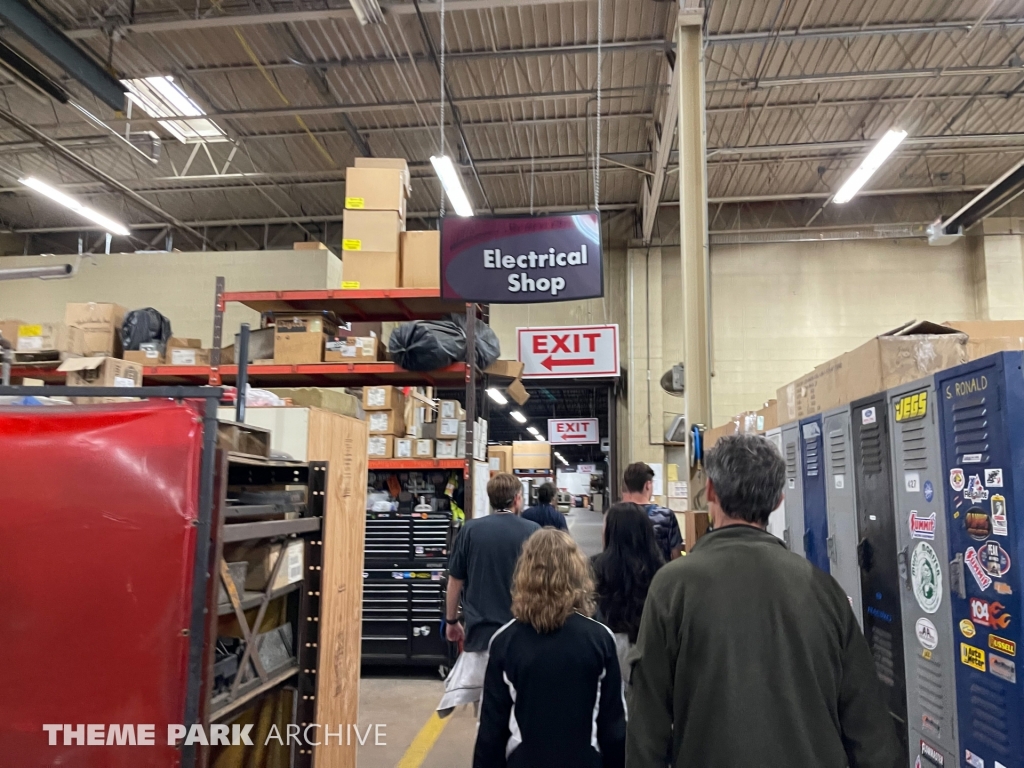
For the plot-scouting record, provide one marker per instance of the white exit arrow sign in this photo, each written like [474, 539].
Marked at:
[572, 351]
[573, 432]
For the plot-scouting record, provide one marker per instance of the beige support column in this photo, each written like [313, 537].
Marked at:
[693, 238]
[1003, 297]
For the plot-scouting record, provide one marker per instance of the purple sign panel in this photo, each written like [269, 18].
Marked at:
[522, 259]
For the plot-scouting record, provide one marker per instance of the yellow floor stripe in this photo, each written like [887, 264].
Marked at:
[423, 743]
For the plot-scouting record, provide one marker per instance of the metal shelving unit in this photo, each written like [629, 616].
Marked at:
[414, 465]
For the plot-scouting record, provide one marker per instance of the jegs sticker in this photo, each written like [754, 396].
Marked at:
[999, 527]
[868, 416]
[977, 570]
[922, 527]
[975, 491]
[994, 559]
[926, 577]
[927, 634]
[956, 479]
[972, 657]
[993, 478]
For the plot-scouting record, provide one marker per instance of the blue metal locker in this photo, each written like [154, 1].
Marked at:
[815, 505]
[982, 434]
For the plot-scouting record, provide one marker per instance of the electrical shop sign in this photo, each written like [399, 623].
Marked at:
[569, 352]
[573, 432]
[522, 259]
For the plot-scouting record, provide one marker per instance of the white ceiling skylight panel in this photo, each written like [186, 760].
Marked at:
[164, 99]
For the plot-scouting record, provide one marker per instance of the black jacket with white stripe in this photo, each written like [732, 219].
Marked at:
[552, 700]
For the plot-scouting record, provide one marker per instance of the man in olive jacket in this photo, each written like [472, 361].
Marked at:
[748, 655]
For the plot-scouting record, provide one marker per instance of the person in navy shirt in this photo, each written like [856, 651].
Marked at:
[544, 514]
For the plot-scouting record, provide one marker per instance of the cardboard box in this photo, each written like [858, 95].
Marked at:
[9, 330]
[986, 337]
[370, 271]
[101, 324]
[375, 189]
[333, 400]
[423, 448]
[395, 163]
[39, 338]
[188, 356]
[147, 354]
[403, 448]
[381, 447]
[305, 322]
[383, 398]
[767, 417]
[101, 372]
[262, 558]
[693, 525]
[510, 369]
[421, 259]
[298, 348]
[387, 422]
[371, 231]
[353, 349]
[531, 454]
[900, 356]
[500, 458]
[309, 245]
[451, 409]
[448, 428]
[517, 392]
[448, 449]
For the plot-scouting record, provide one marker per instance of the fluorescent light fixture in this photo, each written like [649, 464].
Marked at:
[518, 416]
[541, 438]
[533, 431]
[561, 458]
[367, 11]
[878, 155]
[164, 99]
[57, 196]
[496, 396]
[451, 180]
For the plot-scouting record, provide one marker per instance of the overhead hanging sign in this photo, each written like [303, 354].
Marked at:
[573, 431]
[522, 259]
[570, 351]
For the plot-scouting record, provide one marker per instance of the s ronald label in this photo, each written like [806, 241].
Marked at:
[520, 259]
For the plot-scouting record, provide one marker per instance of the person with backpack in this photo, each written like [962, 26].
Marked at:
[639, 483]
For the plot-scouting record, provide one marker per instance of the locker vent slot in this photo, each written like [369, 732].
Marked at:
[915, 452]
[989, 723]
[791, 461]
[930, 674]
[881, 649]
[812, 457]
[971, 429]
[871, 449]
[837, 450]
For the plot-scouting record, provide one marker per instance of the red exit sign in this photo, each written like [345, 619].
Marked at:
[569, 351]
[573, 431]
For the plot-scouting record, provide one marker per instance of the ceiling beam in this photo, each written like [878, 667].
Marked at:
[868, 30]
[770, 105]
[995, 140]
[750, 83]
[296, 17]
[663, 133]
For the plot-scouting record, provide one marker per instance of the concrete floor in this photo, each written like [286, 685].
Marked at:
[404, 699]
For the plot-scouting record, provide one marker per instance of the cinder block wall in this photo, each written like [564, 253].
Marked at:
[180, 285]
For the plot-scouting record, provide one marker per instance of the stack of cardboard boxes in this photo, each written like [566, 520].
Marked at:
[531, 454]
[377, 251]
[385, 414]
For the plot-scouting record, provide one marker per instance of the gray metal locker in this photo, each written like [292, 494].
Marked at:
[777, 519]
[842, 506]
[794, 534]
[923, 552]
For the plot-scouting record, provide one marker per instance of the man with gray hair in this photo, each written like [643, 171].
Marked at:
[748, 655]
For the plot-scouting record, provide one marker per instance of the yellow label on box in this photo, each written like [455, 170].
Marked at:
[355, 202]
[30, 330]
[351, 245]
[350, 285]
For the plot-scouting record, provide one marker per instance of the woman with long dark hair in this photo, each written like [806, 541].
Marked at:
[623, 574]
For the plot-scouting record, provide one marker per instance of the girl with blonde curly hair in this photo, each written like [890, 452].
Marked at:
[553, 690]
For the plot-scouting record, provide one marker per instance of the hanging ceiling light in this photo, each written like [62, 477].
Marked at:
[451, 180]
[878, 155]
[540, 437]
[496, 396]
[518, 416]
[533, 431]
[84, 211]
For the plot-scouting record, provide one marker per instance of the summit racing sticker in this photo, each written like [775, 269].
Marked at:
[977, 569]
[922, 527]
